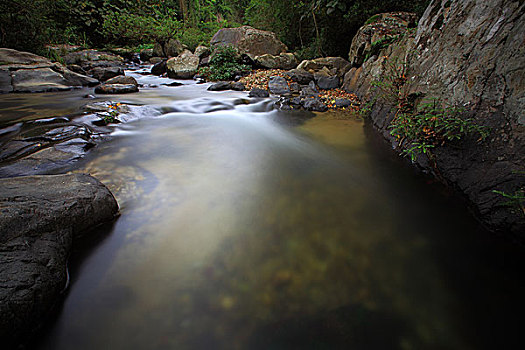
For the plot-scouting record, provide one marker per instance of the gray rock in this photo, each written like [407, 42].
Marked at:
[327, 83]
[278, 86]
[300, 76]
[250, 41]
[87, 57]
[159, 68]
[123, 79]
[334, 65]
[38, 80]
[105, 73]
[41, 218]
[226, 85]
[202, 51]
[5, 81]
[385, 27]
[256, 92]
[116, 89]
[314, 105]
[146, 54]
[183, 67]
[173, 48]
[282, 61]
[342, 102]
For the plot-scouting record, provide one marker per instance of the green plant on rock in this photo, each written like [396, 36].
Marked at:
[225, 63]
[430, 126]
[515, 200]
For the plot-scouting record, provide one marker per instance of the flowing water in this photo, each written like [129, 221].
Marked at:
[242, 230]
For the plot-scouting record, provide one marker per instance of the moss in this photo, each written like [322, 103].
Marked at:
[373, 19]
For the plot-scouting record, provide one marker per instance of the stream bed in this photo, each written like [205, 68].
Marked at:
[242, 228]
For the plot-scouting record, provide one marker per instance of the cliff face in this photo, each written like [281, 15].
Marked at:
[471, 54]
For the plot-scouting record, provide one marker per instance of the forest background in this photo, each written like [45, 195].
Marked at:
[310, 28]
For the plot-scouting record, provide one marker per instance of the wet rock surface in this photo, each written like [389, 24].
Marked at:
[41, 218]
[481, 45]
[226, 85]
[183, 67]
[26, 72]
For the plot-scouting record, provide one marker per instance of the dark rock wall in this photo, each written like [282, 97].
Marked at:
[469, 54]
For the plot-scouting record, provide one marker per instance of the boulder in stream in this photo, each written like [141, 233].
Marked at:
[41, 218]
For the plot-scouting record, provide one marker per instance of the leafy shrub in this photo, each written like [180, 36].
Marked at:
[432, 125]
[224, 64]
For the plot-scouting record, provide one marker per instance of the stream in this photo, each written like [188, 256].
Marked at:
[245, 227]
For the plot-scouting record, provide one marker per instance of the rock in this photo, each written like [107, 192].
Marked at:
[342, 102]
[314, 105]
[159, 68]
[85, 57]
[38, 80]
[146, 55]
[327, 83]
[202, 51]
[335, 65]
[226, 85]
[116, 89]
[300, 76]
[173, 48]
[155, 60]
[256, 92]
[282, 61]
[105, 73]
[26, 72]
[6, 84]
[295, 88]
[42, 216]
[250, 41]
[158, 50]
[382, 29]
[76, 68]
[183, 67]
[278, 85]
[122, 79]
[469, 54]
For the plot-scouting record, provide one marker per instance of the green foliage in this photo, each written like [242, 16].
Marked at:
[430, 126]
[373, 19]
[515, 200]
[224, 64]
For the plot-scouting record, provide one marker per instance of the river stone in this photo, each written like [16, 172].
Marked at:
[250, 41]
[278, 85]
[282, 61]
[314, 105]
[5, 81]
[116, 89]
[256, 92]
[226, 85]
[183, 67]
[159, 68]
[38, 80]
[123, 79]
[14, 57]
[335, 65]
[41, 218]
[300, 76]
[105, 73]
[173, 48]
[86, 57]
[327, 83]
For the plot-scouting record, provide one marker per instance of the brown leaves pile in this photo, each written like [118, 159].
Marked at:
[259, 79]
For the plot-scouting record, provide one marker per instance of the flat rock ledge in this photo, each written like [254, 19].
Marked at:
[40, 218]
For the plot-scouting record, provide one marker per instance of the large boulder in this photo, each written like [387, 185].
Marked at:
[183, 67]
[250, 41]
[282, 61]
[159, 68]
[378, 32]
[27, 72]
[334, 65]
[468, 54]
[105, 73]
[118, 85]
[42, 216]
